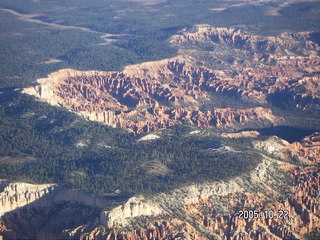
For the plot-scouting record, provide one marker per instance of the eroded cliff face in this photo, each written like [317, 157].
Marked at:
[30, 211]
[144, 97]
[285, 67]
[17, 195]
[133, 208]
[289, 193]
[307, 151]
[155, 95]
[284, 188]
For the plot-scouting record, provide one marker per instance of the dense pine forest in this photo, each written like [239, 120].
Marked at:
[40, 143]
[58, 146]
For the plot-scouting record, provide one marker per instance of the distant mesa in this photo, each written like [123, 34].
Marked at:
[144, 97]
[155, 95]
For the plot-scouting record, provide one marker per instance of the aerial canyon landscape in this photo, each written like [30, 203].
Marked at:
[127, 120]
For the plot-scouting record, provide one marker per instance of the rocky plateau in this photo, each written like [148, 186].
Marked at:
[154, 95]
[257, 71]
[288, 182]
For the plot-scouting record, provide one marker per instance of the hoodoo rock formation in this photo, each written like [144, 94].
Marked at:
[144, 97]
[15, 195]
[285, 67]
[154, 95]
[307, 151]
[255, 70]
[30, 211]
[285, 194]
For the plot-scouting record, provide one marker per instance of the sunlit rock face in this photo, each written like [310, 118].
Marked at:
[154, 95]
[258, 67]
[306, 151]
[289, 192]
[144, 97]
[280, 184]
[45, 211]
[16, 195]
[134, 207]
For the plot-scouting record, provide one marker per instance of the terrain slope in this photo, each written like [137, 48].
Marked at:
[256, 70]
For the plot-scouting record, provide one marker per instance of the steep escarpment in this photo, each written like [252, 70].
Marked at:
[16, 195]
[30, 211]
[283, 67]
[285, 196]
[255, 70]
[154, 95]
[145, 97]
[306, 151]
[133, 208]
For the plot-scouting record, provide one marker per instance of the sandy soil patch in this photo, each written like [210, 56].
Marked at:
[218, 9]
[226, 6]
[250, 134]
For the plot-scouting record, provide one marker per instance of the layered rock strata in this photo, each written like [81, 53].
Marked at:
[287, 192]
[154, 95]
[30, 211]
[17, 195]
[306, 151]
[144, 97]
[211, 210]
[285, 67]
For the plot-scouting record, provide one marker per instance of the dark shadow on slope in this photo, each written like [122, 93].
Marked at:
[288, 133]
[50, 215]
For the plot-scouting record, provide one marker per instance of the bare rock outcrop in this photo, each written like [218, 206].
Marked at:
[17, 195]
[154, 95]
[306, 151]
[285, 195]
[31, 211]
[144, 97]
[285, 67]
[134, 207]
[212, 210]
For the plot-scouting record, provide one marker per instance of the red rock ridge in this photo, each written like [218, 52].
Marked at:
[155, 95]
[204, 219]
[306, 151]
[144, 97]
[287, 64]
